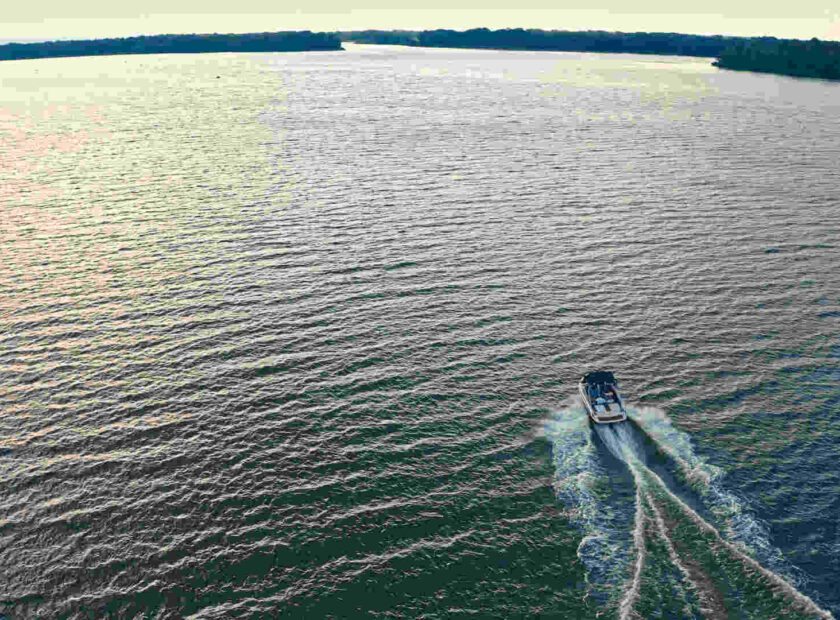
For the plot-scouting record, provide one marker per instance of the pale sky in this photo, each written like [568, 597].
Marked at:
[48, 19]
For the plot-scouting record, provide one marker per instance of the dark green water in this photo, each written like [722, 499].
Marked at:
[299, 335]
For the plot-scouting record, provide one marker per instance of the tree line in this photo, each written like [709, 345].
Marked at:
[553, 40]
[176, 43]
[814, 58]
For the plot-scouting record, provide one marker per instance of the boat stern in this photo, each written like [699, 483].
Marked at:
[601, 400]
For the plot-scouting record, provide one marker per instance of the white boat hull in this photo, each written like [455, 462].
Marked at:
[603, 412]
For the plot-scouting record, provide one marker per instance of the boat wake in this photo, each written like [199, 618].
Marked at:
[661, 535]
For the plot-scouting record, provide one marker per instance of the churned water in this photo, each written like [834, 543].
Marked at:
[298, 335]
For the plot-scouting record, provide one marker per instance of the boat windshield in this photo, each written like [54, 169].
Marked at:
[599, 378]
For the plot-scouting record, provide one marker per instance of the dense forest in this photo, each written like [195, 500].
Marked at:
[176, 43]
[555, 40]
[814, 58]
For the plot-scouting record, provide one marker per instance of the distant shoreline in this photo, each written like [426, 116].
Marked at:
[291, 41]
[792, 57]
[662, 43]
[811, 59]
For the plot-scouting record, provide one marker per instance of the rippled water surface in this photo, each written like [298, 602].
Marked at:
[298, 335]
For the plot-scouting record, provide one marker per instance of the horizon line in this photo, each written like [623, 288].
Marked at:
[31, 40]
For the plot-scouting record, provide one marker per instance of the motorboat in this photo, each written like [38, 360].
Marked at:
[599, 391]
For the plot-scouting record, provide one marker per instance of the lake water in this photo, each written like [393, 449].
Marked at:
[299, 335]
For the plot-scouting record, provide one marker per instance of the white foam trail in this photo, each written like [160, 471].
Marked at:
[605, 548]
[630, 440]
[611, 441]
[676, 444]
[574, 457]
[729, 510]
[673, 556]
[625, 608]
[805, 604]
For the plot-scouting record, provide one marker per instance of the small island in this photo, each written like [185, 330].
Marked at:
[814, 58]
[290, 41]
